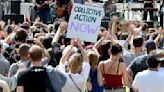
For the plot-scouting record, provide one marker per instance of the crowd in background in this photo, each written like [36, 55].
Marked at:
[128, 56]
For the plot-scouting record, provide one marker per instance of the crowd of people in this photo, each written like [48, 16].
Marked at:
[128, 56]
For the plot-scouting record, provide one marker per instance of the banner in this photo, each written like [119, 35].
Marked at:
[84, 22]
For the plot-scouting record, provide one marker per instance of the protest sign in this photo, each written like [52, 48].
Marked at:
[84, 22]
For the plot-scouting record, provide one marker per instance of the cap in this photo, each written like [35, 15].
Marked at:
[150, 44]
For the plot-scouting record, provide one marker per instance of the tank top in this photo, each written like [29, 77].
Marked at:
[112, 80]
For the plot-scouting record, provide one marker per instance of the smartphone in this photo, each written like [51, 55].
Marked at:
[30, 41]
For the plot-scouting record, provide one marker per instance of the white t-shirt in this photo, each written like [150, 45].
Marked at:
[161, 69]
[79, 78]
[149, 81]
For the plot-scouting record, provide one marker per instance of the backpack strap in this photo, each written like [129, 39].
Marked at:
[75, 83]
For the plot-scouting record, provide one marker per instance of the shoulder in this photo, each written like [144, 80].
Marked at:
[142, 73]
[24, 72]
[14, 65]
[101, 63]
[122, 65]
[5, 61]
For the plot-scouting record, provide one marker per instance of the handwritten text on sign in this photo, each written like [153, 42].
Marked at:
[84, 22]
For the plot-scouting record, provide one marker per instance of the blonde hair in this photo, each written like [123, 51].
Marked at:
[75, 61]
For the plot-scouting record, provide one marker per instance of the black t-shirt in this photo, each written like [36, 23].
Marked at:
[138, 65]
[33, 79]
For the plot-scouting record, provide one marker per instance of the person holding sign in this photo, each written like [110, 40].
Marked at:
[78, 71]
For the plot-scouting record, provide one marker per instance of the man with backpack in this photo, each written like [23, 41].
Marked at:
[38, 78]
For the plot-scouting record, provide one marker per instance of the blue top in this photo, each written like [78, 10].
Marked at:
[94, 81]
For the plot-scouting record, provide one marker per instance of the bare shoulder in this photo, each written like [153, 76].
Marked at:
[122, 65]
[101, 63]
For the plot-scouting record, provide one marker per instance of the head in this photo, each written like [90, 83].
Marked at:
[150, 45]
[155, 58]
[106, 48]
[35, 53]
[138, 42]
[116, 50]
[145, 27]
[21, 36]
[75, 63]
[93, 59]
[47, 42]
[23, 50]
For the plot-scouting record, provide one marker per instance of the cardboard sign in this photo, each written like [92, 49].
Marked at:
[84, 22]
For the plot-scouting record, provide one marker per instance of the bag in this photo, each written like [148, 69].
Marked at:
[49, 87]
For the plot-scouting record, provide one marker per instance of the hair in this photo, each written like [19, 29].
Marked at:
[92, 56]
[153, 59]
[75, 61]
[23, 50]
[116, 48]
[47, 42]
[105, 46]
[138, 42]
[21, 36]
[36, 53]
[145, 27]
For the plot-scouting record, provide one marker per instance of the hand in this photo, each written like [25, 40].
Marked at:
[89, 86]
[63, 26]
[9, 21]
[73, 43]
[79, 42]
[38, 43]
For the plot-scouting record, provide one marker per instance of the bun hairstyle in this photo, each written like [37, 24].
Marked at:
[116, 48]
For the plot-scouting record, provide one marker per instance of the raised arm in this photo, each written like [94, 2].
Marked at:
[97, 45]
[84, 55]
[114, 25]
[62, 28]
[66, 54]
[158, 38]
